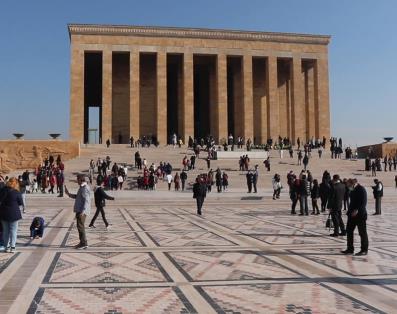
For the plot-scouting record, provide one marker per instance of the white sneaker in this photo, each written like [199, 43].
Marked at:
[108, 227]
[92, 227]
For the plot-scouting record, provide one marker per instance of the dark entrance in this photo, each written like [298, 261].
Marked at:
[92, 88]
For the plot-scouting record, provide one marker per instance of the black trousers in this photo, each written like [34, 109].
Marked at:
[378, 205]
[254, 184]
[324, 201]
[99, 210]
[361, 224]
[249, 185]
[199, 201]
[337, 220]
[183, 185]
[293, 205]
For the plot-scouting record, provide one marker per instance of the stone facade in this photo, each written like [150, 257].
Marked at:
[28, 154]
[156, 81]
[378, 150]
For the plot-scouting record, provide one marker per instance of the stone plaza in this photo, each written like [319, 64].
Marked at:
[246, 254]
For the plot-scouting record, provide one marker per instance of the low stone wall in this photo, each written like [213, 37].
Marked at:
[377, 150]
[28, 154]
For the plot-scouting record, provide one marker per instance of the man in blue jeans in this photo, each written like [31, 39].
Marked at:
[82, 207]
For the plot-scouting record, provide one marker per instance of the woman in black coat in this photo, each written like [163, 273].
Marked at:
[10, 213]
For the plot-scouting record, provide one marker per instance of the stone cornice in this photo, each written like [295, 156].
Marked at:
[151, 31]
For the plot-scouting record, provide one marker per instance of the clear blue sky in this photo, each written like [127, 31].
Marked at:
[34, 53]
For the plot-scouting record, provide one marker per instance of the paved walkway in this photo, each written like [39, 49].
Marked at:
[245, 255]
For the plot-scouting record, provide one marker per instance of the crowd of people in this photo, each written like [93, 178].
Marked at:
[328, 193]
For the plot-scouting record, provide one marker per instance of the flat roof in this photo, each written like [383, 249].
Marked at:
[183, 32]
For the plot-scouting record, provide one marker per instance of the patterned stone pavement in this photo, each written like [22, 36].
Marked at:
[243, 256]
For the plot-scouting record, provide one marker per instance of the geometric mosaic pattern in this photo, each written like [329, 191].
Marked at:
[105, 267]
[281, 298]
[111, 300]
[210, 266]
[188, 238]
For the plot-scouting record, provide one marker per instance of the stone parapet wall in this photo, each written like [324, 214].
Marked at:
[28, 154]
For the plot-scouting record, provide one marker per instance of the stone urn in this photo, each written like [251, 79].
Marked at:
[388, 139]
[54, 136]
[18, 136]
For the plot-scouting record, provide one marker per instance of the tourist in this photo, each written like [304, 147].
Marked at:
[199, 193]
[23, 190]
[218, 180]
[378, 194]
[267, 164]
[346, 197]
[255, 175]
[304, 192]
[356, 216]
[373, 168]
[337, 194]
[107, 143]
[293, 191]
[169, 180]
[100, 198]
[177, 181]
[82, 207]
[395, 181]
[37, 228]
[208, 162]
[225, 181]
[305, 161]
[315, 194]
[277, 186]
[183, 179]
[250, 177]
[300, 156]
[10, 213]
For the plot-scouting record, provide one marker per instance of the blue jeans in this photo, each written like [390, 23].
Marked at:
[10, 229]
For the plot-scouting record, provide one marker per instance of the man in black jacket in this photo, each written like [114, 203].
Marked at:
[199, 193]
[357, 216]
[335, 202]
[378, 194]
[100, 203]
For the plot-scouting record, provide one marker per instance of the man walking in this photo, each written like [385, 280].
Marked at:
[335, 203]
[255, 176]
[378, 194]
[82, 207]
[199, 193]
[357, 216]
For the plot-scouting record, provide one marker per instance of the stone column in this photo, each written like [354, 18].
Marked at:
[134, 94]
[106, 95]
[298, 102]
[322, 98]
[76, 132]
[273, 113]
[221, 110]
[248, 109]
[188, 98]
[161, 110]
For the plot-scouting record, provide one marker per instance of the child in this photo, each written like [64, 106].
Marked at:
[37, 228]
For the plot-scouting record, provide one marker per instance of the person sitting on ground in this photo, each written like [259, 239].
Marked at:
[37, 228]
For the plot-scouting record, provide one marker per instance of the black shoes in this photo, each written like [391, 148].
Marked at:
[342, 234]
[361, 253]
[347, 252]
[334, 235]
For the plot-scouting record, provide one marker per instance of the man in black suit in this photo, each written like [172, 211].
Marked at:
[335, 202]
[357, 216]
[378, 194]
[199, 193]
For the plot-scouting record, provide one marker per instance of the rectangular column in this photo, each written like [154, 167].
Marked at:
[298, 102]
[248, 109]
[221, 86]
[188, 98]
[134, 94]
[322, 98]
[76, 131]
[161, 109]
[106, 95]
[310, 101]
[273, 122]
